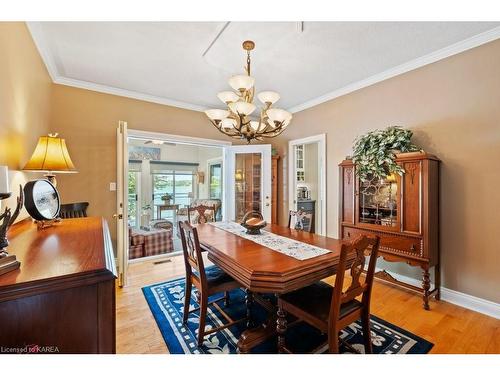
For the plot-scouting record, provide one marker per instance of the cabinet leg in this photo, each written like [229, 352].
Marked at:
[249, 304]
[426, 286]
[281, 326]
[437, 281]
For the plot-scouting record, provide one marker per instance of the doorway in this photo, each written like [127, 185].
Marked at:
[155, 191]
[307, 178]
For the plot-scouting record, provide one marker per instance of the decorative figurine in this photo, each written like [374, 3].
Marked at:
[9, 262]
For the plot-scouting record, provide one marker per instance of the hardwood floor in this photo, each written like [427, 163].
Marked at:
[451, 328]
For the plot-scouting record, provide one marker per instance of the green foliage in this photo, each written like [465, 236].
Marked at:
[374, 152]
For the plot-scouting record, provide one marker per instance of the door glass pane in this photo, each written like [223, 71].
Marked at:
[132, 198]
[378, 201]
[215, 181]
[248, 180]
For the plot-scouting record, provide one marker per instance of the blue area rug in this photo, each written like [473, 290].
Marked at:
[166, 301]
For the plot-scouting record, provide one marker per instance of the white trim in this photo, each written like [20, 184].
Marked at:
[464, 45]
[35, 29]
[126, 93]
[177, 138]
[467, 301]
[321, 140]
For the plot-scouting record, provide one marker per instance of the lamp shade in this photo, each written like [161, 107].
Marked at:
[50, 155]
[242, 108]
[216, 114]
[270, 97]
[279, 115]
[228, 123]
[241, 82]
[228, 96]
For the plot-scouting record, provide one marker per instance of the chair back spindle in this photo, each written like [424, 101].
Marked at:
[205, 214]
[193, 259]
[357, 250]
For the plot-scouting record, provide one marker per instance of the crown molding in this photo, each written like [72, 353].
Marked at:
[126, 93]
[453, 49]
[472, 42]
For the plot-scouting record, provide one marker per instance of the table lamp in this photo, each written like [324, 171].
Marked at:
[50, 156]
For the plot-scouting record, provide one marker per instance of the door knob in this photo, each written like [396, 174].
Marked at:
[117, 216]
[267, 204]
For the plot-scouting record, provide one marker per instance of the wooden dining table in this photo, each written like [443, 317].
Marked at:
[262, 270]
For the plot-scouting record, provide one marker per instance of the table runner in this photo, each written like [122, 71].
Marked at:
[284, 245]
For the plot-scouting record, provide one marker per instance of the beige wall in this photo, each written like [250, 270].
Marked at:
[453, 107]
[25, 91]
[88, 121]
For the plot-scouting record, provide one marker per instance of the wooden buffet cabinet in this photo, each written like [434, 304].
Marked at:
[402, 210]
[62, 299]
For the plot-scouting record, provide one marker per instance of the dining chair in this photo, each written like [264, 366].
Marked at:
[73, 210]
[208, 281]
[330, 309]
[303, 220]
[204, 213]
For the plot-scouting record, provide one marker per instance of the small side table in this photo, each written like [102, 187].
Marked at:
[167, 207]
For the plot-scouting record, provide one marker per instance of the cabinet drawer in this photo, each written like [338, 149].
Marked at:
[397, 244]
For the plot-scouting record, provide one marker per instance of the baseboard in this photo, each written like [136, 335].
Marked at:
[467, 301]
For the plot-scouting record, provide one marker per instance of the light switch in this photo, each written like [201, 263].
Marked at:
[112, 186]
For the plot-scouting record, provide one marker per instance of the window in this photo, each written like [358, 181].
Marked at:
[215, 180]
[179, 184]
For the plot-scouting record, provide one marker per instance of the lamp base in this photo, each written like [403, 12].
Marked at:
[52, 178]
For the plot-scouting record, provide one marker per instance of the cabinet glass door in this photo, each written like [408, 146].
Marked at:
[378, 201]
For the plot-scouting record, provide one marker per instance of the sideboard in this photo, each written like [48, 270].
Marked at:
[62, 298]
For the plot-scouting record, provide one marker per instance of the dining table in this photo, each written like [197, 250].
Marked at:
[262, 270]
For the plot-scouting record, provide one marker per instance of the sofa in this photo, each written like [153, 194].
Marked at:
[144, 243]
[182, 213]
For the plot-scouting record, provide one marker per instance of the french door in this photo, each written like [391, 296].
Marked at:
[122, 202]
[247, 175]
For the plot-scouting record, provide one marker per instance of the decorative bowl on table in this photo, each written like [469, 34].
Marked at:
[253, 222]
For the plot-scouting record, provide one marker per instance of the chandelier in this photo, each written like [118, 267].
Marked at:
[237, 121]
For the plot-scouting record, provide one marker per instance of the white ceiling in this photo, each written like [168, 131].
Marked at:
[307, 63]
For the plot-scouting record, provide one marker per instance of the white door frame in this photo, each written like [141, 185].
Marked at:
[321, 140]
[122, 241]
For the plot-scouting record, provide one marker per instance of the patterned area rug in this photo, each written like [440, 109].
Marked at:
[166, 301]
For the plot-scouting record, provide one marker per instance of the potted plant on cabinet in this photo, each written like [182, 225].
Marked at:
[374, 153]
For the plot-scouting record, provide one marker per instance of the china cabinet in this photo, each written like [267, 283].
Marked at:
[402, 210]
